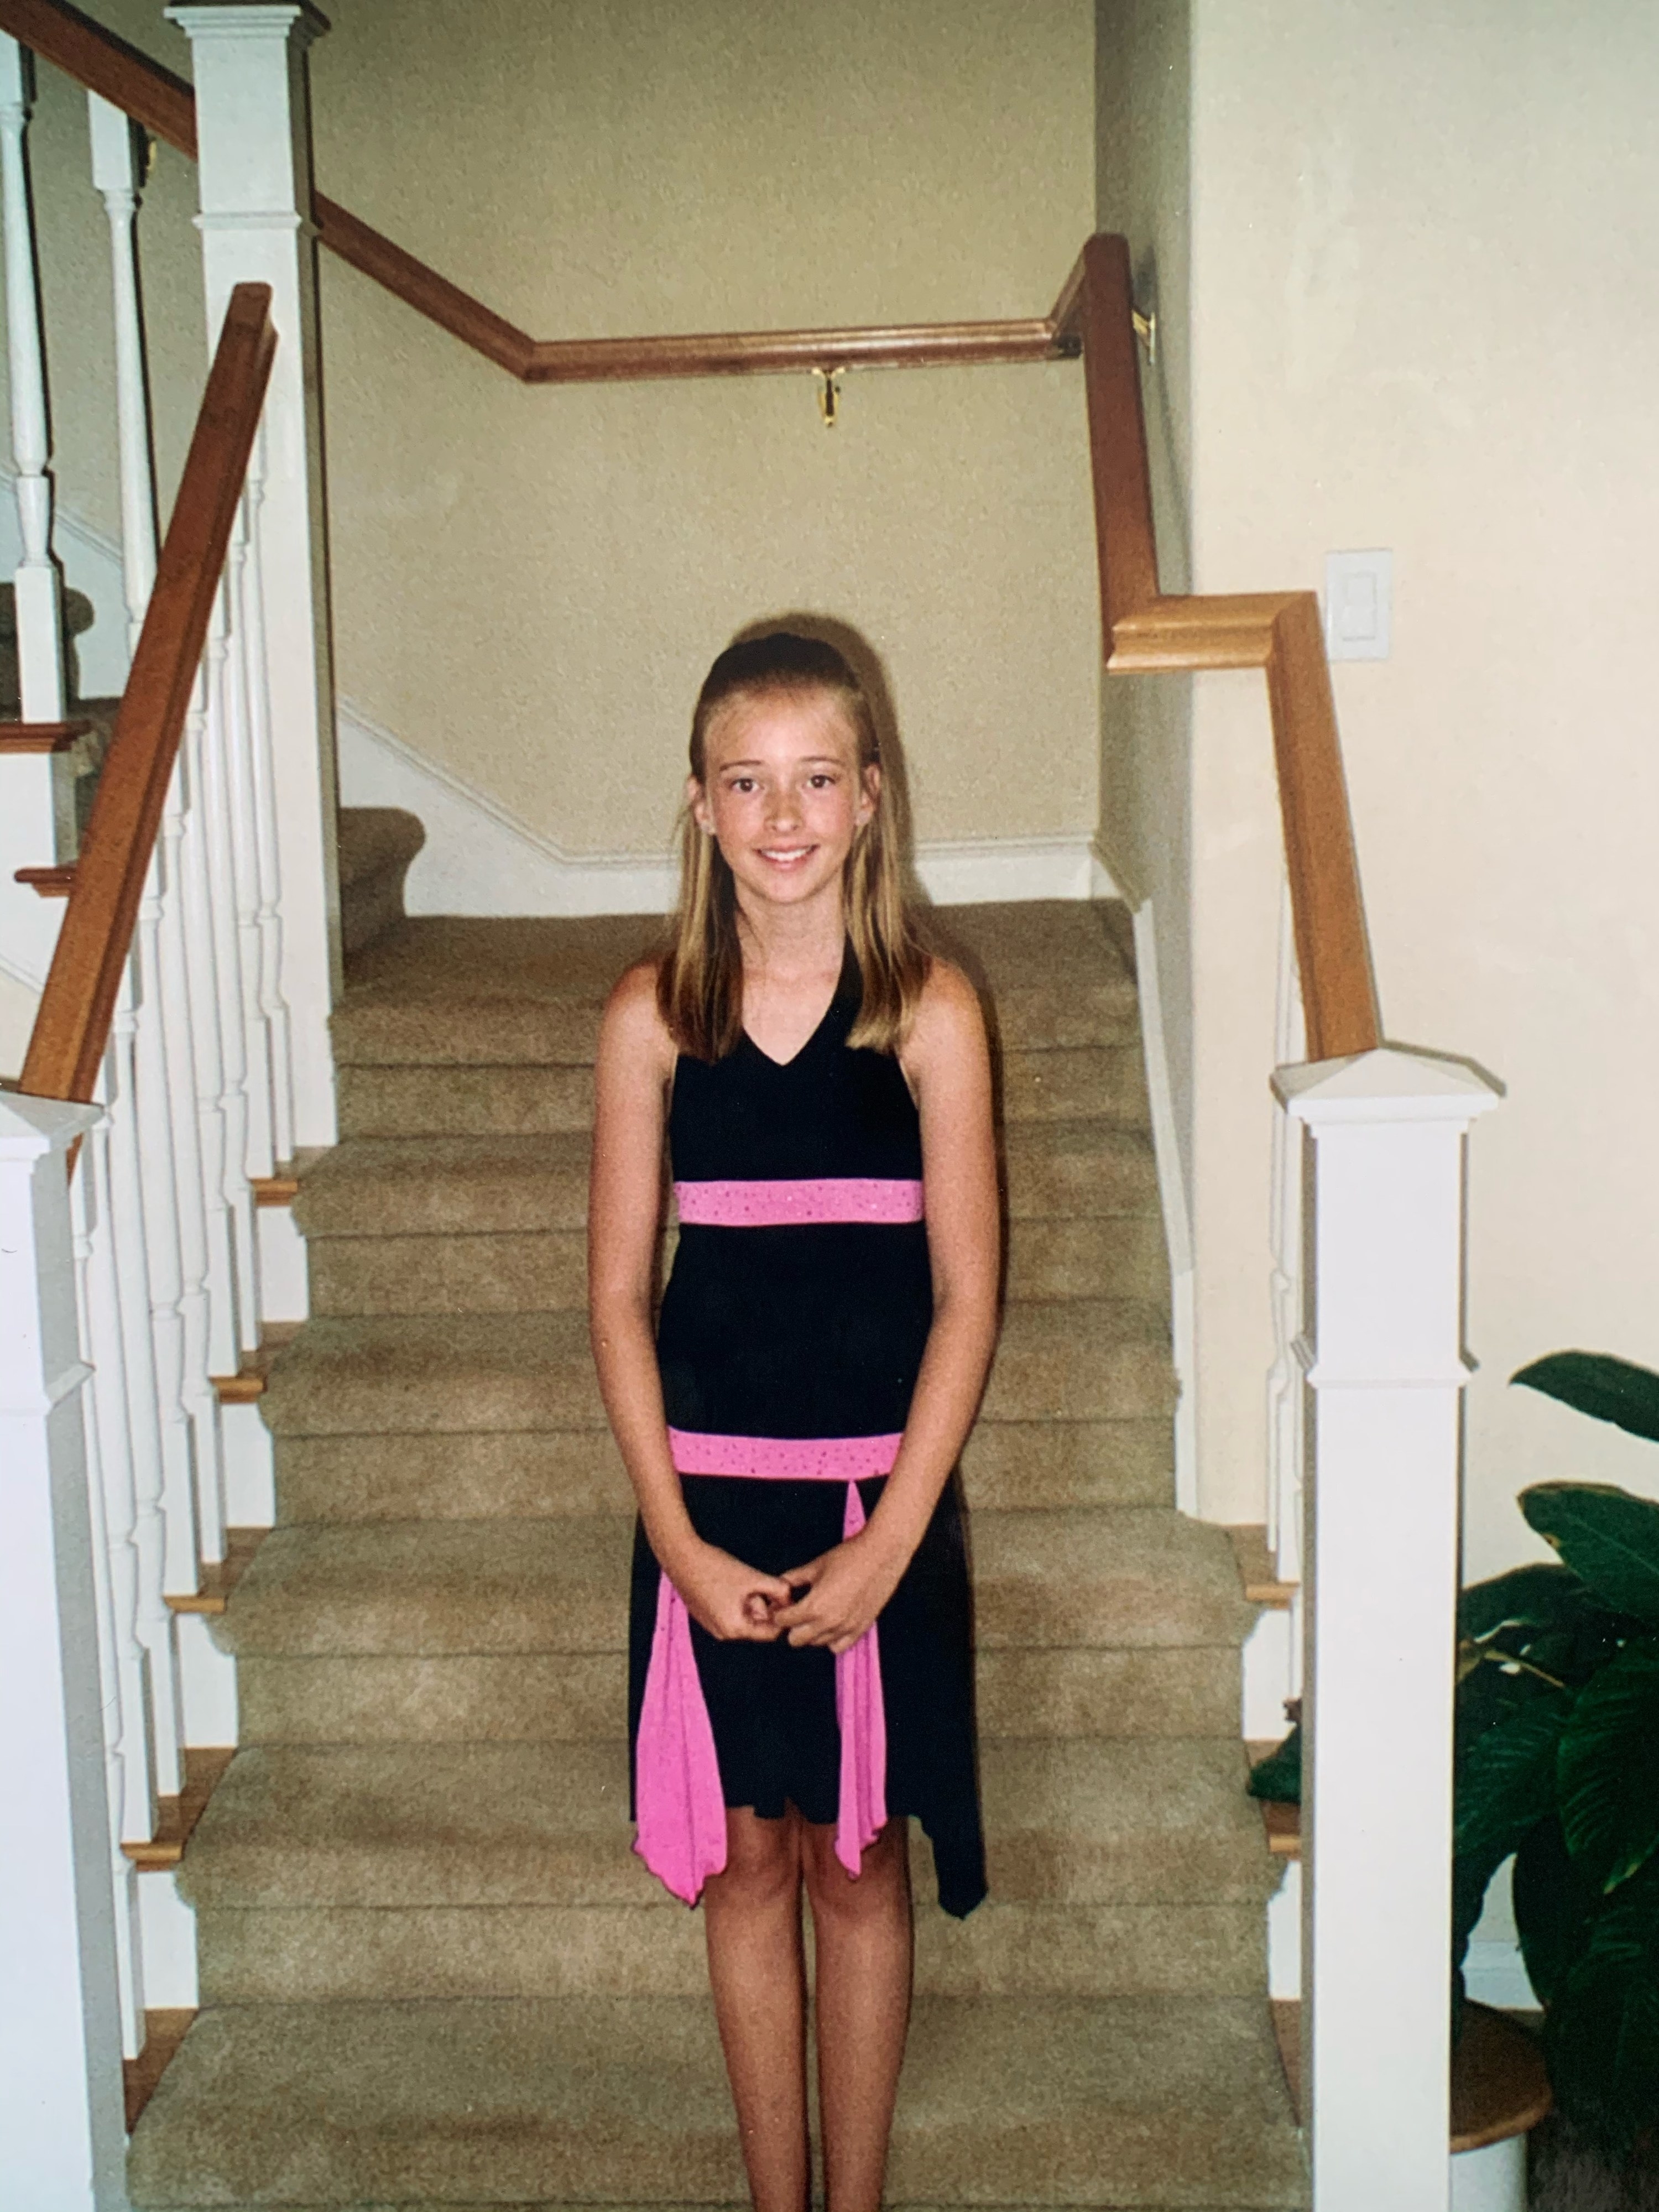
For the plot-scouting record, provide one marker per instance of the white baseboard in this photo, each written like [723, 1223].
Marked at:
[479, 858]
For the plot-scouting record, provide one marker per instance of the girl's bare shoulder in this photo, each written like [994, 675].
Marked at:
[948, 1018]
[633, 1027]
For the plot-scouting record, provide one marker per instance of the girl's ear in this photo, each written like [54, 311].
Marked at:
[863, 813]
[696, 801]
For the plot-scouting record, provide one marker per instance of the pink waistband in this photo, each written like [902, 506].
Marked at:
[784, 1459]
[785, 1205]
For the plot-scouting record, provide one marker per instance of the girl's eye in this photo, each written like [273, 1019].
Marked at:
[822, 781]
[744, 783]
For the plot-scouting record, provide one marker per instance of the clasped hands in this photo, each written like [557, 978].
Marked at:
[829, 1602]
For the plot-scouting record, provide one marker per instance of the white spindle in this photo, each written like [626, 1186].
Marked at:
[250, 628]
[39, 599]
[125, 1706]
[1285, 1436]
[224, 730]
[208, 1040]
[152, 1440]
[164, 1205]
[178, 1021]
[60, 2039]
[233, 755]
[116, 173]
[1380, 1567]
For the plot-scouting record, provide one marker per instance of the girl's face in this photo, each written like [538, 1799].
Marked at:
[784, 796]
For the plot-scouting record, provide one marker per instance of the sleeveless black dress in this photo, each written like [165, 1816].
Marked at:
[789, 1340]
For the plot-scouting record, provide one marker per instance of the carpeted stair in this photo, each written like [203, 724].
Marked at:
[432, 1974]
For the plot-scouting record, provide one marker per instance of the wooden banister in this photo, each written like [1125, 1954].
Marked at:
[1279, 632]
[72, 1026]
[165, 105]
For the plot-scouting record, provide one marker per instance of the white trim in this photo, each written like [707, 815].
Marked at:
[1177, 1215]
[480, 858]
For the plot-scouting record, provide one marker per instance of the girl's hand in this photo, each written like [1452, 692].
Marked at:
[845, 1589]
[734, 1602]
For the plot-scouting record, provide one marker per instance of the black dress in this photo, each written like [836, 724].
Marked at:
[789, 1340]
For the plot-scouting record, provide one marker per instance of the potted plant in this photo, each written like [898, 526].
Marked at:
[1558, 1763]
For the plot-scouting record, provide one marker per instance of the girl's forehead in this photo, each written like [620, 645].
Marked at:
[781, 725]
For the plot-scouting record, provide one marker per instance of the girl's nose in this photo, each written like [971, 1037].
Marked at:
[784, 810]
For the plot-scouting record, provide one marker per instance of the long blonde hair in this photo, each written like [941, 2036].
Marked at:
[700, 979]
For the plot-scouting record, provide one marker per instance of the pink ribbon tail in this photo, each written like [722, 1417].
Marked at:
[679, 1809]
[862, 1718]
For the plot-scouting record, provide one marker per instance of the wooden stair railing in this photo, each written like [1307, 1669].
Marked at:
[1279, 632]
[166, 105]
[72, 1026]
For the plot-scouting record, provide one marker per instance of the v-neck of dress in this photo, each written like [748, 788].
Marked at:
[806, 1044]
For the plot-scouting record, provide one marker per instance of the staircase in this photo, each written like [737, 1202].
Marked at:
[432, 1972]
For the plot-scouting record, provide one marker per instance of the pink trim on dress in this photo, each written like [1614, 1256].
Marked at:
[784, 1459]
[679, 1805]
[785, 1205]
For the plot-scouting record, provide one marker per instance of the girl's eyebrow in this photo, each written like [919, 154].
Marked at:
[811, 760]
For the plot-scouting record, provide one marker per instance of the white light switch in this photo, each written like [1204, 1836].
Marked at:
[1359, 604]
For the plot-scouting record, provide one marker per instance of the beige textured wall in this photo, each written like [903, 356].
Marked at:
[1424, 317]
[530, 583]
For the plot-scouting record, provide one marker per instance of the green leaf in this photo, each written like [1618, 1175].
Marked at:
[1554, 1909]
[1601, 2031]
[1597, 1384]
[1506, 1781]
[1608, 1535]
[1610, 1768]
[1545, 1595]
[1279, 1775]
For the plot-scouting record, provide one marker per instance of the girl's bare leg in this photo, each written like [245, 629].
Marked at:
[751, 1917]
[863, 1945]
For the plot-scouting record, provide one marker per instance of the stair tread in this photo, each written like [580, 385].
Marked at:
[1115, 1577]
[396, 1825]
[1085, 1359]
[1144, 2101]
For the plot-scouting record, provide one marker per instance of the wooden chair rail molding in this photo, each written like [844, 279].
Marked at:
[72, 1026]
[166, 105]
[1279, 632]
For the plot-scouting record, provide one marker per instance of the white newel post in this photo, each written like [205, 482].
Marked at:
[31, 824]
[1386, 1374]
[61, 2120]
[254, 130]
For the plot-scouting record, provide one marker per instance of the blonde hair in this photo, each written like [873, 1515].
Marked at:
[700, 978]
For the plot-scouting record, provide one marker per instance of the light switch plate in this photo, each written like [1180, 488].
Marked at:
[1358, 605]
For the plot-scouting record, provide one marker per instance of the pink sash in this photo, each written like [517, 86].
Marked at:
[680, 1810]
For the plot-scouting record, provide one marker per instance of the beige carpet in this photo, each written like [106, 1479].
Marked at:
[432, 1974]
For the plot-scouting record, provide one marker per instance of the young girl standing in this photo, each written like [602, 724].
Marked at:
[801, 1634]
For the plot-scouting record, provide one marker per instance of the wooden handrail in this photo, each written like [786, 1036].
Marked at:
[72, 1026]
[166, 105]
[1279, 632]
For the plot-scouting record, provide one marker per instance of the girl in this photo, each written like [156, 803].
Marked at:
[801, 1650]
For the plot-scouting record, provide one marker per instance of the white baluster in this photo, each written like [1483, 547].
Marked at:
[1285, 1382]
[250, 626]
[1388, 1373]
[254, 172]
[235, 755]
[39, 597]
[60, 2040]
[115, 173]
[208, 1041]
[178, 1020]
[33, 820]
[161, 1184]
[121, 1659]
[217, 801]
[151, 1438]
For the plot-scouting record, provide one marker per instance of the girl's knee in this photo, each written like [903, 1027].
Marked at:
[763, 1858]
[881, 1885]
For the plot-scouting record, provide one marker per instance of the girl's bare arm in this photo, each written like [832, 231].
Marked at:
[948, 1064]
[636, 1063]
